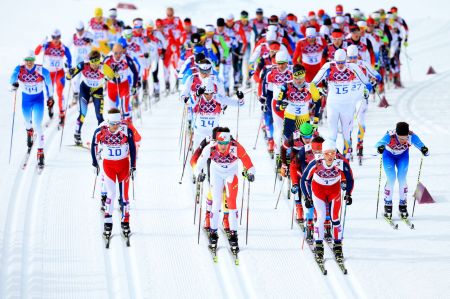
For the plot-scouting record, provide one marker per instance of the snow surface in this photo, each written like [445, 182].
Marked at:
[50, 227]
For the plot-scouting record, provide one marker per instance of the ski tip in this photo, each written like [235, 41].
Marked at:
[180, 182]
[412, 226]
[325, 272]
[215, 259]
[236, 262]
[396, 226]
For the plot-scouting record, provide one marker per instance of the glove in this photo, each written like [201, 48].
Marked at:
[262, 100]
[369, 86]
[283, 170]
[380, 149]
[283, 104]
[366, 94]
[308, 203]
[348, 199]
[50, 102]
[146, 55]
[15, 85]
[264, 108]
[315, 123]
[185, 99]
[96, 168]
[294, 189]
[87, 40]
[239, 94]
[344, 185]
[133, 91]
[424, 150]
[132, 172]
[201, 177]
[200, 91]
[250, 177]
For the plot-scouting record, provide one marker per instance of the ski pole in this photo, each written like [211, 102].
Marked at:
[237, 123]
[343, 221]
[95, 185]
[65, 110]
[279, 194]
[12, 125]
[379, 186]
[195, 200]
[242, 201]
[407, 63]
[182, 130]
[185, 159]
[257, 134]
[248, 209]
[200, 213]
[418, 180]
[293, 209]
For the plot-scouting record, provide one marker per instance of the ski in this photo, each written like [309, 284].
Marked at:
[83, 146]
[301, 225]
[407, 222]
[25, 159]
[39, 169]
[234, 250]
[391, 222]
[126, 234]
[360, 160]
[107, 236]
[213, 250]
[340, 262]
[320, 263]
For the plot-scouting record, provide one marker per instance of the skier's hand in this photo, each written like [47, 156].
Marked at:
[146, 55]
[380, 149]
[200, 91]
[250, 177]
[366, 94]
[284, 104]
[294, 189]
[283, 170]
[185, 99]
[315, 123]
[264, 108]
[262, 100]
[96, 168]
[132, 172]
[50, 102]
[201, 177]
[424, 150]
[348, 199]
[308, 203]
[239, 94]
[133, 91]
[14, 86]
[344, 185]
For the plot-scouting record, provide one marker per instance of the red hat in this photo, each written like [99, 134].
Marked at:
[370, 21]
[158, 22]
[337, 34]
[274, 46]
[394, 9]
[321, 12]
[316, 146]
[291, 17]
[311, 14]
[339, 8]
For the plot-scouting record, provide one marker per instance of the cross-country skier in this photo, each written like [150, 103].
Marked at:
[321, 183]
[32, 80]
[394, 146]
[224, 154]
[119, 164]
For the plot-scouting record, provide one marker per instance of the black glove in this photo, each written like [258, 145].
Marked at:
[15, 85]
[308, 203]
[185, 99]
[97, 168]
[200, 91]
[380, 149]
[87, 40]
[262, 100]
[424, 150]
[250, 177]
[133, 91]
[132, 172]
[284, 104]
[348, 199]
[239, 94]
[201, 177]
[50, 102]
[146, 55]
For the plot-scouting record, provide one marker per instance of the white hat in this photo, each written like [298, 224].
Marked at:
[340, 55]
[271, 36]
[209, 28]
[324, 30]
[328, 145]
[114, 117]
[150, 23]
[56, 32]
[80, 25]
[375, 15]
[29, 55]
[281, 57]
[283, 15]
[271, 28]
[352, 50]
[303, 19]
[361, 24]
[113, 12]
[230, 17]
[339, 20]
[310, 32]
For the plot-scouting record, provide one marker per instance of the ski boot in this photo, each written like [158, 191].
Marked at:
[337, 250]
[50, 112]
[359, 153]
[213, 238]
[167, 88]
[309, 232]
[107, 231]
[233, 241]
[40, 157]
[77, 138]
[328, 236]
[30, 133]
[62, 118]
[226, 224]
[388, 211]
[207, 224]
[318, 251]
[299, 210]
[403, 211]
[126, 232]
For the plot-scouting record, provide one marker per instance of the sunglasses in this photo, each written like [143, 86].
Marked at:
[114, 123]
[223, 142]
[117, 53]
[95, 61]
[56, 37]
[307, 136]
[299, 75]
[340, 62]
[30, 59]
[281, 62]
[353, 57]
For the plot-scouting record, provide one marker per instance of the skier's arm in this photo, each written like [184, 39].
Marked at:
[347, 171]
[281, 97]
[245, 158]
[372, 72]
[94, 147]
[133, 70]
[383, 141]
[68, 57]
[48, 82]
[226, 49]
[76, 70]
[15, 75]
[228, 101]
[132, 146]
[306, 179]
[198, 152]
[415, 140]
[202, 160]
[360, 75]
[321, 74]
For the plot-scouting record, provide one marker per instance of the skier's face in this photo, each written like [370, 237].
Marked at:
[340, 65]
[337, 42]
[282, 66]
[223, 147]
[329, 156]
[403, 139]
[114, 126]
[169, 12]
[299, 80]
[356, 35]
[208, 96]
[259, 16]
[29, 64]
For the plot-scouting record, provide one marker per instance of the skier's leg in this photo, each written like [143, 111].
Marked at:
[110, 185]
[98, 104]
[332, 121]
[389, 169]
[361, 117]
[82, 107]
[231, 192]
[346, 117]
[402, 171]
[217, 184]
[38, 116]
[319, 206]
[335, 212]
